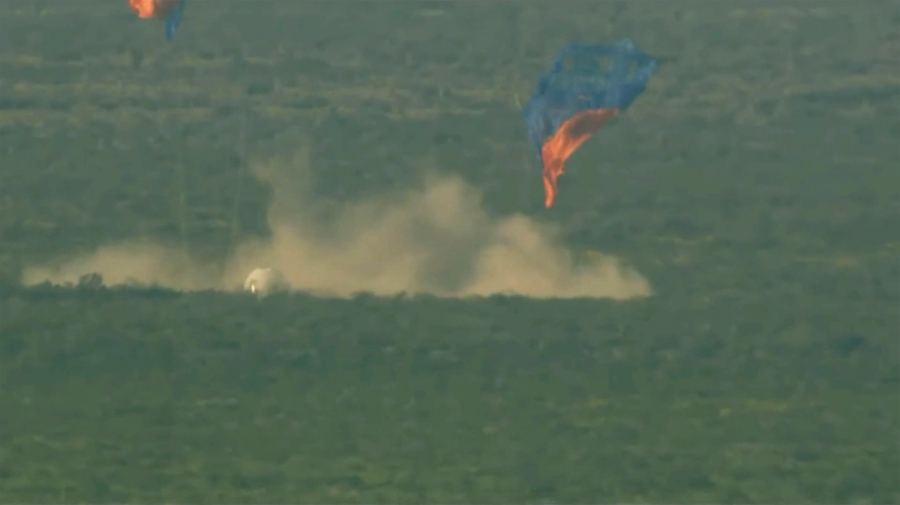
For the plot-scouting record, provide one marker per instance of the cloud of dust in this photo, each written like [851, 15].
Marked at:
[137, 263]
[433, 239]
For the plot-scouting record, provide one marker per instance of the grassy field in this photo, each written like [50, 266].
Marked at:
[742, 348]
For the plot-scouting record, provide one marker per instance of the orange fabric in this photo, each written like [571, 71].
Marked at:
[147, 9]
[565, 141]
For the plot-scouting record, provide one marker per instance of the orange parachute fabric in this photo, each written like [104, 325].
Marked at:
[567, 139]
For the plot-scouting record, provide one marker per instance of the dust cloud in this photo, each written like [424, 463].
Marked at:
[435, 238]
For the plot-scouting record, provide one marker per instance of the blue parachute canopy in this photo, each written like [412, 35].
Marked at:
[173, 20]
[587, 86]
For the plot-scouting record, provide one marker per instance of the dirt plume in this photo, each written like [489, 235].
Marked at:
[434, 238]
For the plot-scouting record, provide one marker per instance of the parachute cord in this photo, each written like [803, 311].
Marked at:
[242, 156]
[182, 201]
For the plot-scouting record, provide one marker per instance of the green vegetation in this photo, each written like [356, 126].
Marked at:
[755, 184]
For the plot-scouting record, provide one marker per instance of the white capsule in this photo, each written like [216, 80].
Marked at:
[265, 281]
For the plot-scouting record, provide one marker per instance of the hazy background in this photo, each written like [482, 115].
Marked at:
[724, 256]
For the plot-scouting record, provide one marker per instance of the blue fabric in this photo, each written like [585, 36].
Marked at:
[586, 77]
[173, 20]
